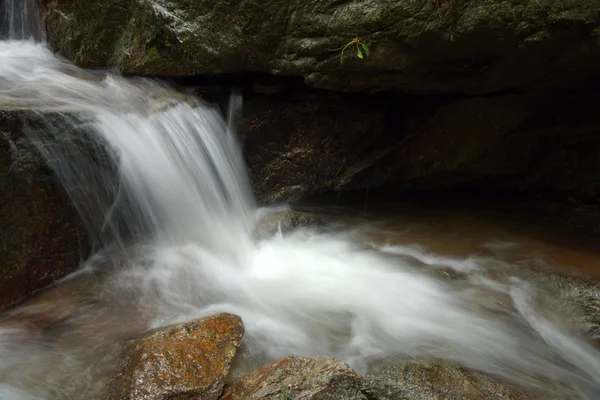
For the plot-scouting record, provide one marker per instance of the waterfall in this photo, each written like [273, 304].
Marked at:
[160, 178]
[20, 19]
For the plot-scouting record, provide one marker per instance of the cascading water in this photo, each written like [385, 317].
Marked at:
[20, 19]
[160, 179]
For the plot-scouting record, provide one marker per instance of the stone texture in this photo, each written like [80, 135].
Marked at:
[42, 237]
[417, 46]
[187, 361]
[298, 147]
[304, 378]
[439, 382]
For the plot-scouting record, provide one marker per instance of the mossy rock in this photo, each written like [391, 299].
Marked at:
[418, 46]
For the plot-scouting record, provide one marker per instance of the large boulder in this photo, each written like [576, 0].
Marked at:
[300, 378]
[42, 237]
[418, 46]
[187, 361]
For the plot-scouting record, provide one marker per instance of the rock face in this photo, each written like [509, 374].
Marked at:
[188, 361]
[42, 237]
[300, 147]
[432, 382]
[418, 46]
[301, 378]
[544, 142]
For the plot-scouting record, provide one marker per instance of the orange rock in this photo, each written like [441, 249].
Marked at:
[187, 361]
[303, 378]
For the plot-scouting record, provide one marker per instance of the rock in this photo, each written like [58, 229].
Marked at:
[187, 361]
[46, 308]
[417, 46]
[436, 382]
[568, 299]
[298, 147]
[457, 133]
[302, 378]
[42, 236]
[543, 143]
[285, 221]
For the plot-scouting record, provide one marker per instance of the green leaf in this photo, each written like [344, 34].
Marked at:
[366, 49]
[359, 53]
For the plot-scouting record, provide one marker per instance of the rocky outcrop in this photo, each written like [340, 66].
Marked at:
[545, 142]
[418, 46]
[42, 237]
[187, 361]
[300, 378]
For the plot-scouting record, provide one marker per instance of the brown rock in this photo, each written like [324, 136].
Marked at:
[187, 361]
[296, 148]
[439, 382]
[458, 133]
[302, 378]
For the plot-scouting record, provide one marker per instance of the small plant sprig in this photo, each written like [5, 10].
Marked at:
[284, 394]
[362, 49]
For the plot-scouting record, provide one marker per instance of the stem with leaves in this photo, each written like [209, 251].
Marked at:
[362, 49]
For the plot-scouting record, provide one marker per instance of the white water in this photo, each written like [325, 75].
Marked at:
[176, 244]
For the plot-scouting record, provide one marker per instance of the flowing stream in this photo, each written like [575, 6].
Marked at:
[160, 179]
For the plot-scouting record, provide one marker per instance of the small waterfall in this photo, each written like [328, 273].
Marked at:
[160, 178]
[20, 19]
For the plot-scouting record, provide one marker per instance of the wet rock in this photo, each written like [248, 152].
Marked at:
[436, 382]
[302, 378]
[46, 308]
[573, 301]
[285, 221]
[414, 46]
[543, 144]
[187, 361]
[456, 134]
[299, 147]
[42, 236]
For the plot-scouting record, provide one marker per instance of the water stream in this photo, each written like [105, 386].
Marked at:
[161, 181]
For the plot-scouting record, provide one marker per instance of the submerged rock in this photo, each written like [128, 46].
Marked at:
[436, 382]
[42, 237]
[187, 361]
[477, 46]
[301, 378]
[285, 221]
